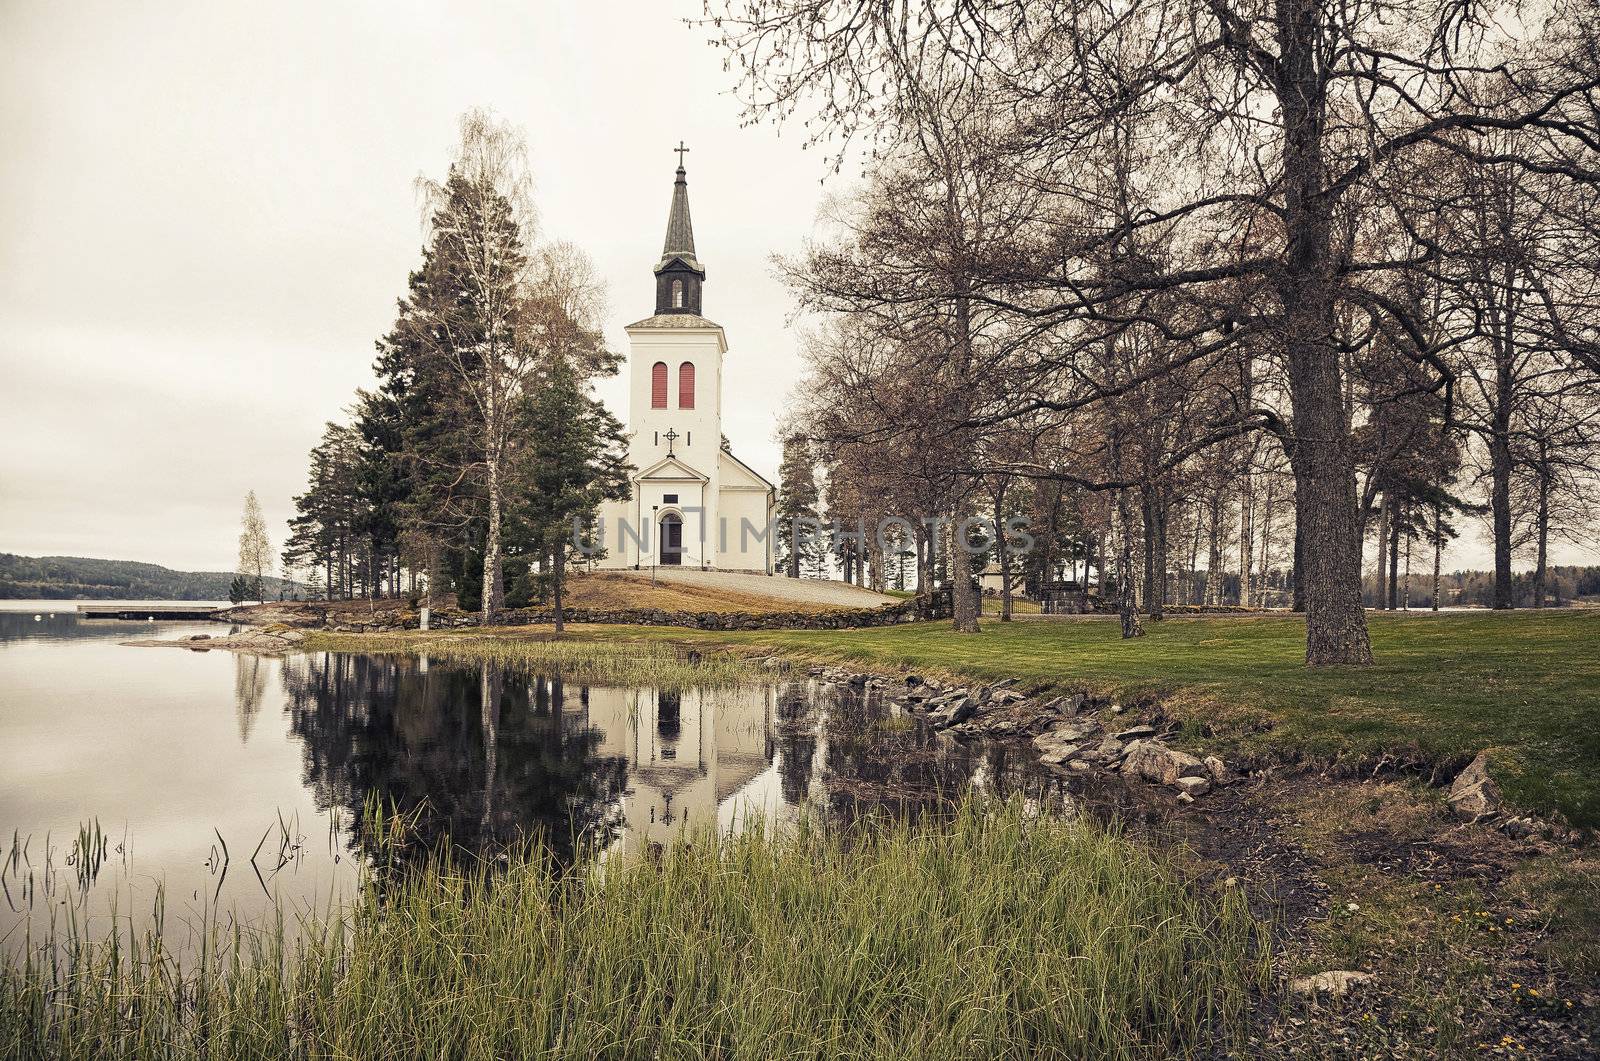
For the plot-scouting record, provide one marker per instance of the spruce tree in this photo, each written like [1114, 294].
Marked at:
[799, 547]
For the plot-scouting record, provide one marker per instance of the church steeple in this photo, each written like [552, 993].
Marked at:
[679, 273]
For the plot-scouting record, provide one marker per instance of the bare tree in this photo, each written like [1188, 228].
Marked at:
[1282, 111]
[255, 550]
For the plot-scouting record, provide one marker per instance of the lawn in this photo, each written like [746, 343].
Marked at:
[1525, 685]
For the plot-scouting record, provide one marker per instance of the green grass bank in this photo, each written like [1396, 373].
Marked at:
[998, 935]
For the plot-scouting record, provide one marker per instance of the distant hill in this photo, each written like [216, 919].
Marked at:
[83, 578]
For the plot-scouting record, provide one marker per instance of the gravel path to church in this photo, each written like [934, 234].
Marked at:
[800, 590]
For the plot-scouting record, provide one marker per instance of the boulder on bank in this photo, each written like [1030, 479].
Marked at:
[1335, 983]
[1474, 796]
[1157, 763]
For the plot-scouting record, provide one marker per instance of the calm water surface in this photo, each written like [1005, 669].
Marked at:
[232, 782]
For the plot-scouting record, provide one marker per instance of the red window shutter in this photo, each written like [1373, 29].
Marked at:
[686, 385]
[658, 386]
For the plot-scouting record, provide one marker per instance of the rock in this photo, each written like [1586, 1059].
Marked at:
[1136, 733]
[1061, 753]
[1335, 983]
[1521, 828]
[1217, 769]
[294, 637]
[1111, 748]
[953, 713]
[1064, 705]
[1474, 796]
[1193, 786]
[1062, 733]
[198, 637]
[1117, 709]
[1156, 762]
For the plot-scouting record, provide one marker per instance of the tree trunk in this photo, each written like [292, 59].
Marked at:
[1439, 548]
[559, 570]
[1324, 465]
[1213, 595]
[1191, 583]
[1000, 554]
[962, 595]
[1296, 576]
[1541, 561]
[491, 547]
[1383, 552]
[1405, 589]
[1394, 558]
[1126, 605]
[1500, 509]
[1247, 536]
[1266, 546]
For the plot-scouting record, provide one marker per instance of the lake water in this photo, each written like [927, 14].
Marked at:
[228, 784]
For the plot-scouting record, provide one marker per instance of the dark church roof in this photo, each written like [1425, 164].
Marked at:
[675, 320]
[680, 232]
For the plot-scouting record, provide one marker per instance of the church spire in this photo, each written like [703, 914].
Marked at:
[679, 273]
[680, 233]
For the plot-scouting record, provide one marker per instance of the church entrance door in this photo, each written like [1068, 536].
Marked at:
[671, 539]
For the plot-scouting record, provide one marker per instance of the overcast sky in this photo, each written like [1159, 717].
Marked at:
[208, 213]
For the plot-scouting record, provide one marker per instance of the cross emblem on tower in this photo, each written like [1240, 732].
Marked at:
[671, 436]
[681, 150]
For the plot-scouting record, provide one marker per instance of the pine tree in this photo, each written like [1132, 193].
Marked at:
[574, 458]
[799, 546]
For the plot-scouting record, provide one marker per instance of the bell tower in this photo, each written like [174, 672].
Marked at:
[679, 274]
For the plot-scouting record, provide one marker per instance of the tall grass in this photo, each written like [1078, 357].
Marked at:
[577, 660]
[997, 934]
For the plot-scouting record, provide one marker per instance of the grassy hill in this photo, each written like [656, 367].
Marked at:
[86, 578]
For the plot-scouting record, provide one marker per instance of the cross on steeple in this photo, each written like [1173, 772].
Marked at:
[681, 150]
[671, 436]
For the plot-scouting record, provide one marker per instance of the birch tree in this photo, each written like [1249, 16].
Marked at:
[255, 550]
[481, 219]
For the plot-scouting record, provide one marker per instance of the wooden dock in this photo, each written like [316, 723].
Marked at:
[117, 609]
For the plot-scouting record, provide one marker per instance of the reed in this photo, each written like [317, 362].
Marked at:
[997, 934]
[577, 660]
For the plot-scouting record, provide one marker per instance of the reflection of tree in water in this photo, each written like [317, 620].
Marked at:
[249, 689]
[874, 761]
[797, 741]
[482, 756]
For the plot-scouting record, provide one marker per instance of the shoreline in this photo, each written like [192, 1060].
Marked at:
[1360, 867]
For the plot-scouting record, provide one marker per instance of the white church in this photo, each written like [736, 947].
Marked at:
[693, 502]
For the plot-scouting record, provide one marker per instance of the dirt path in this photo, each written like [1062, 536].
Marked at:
[810, 591]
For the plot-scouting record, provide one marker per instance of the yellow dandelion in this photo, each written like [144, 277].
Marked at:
[1534, 992]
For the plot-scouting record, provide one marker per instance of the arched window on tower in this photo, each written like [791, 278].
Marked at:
[658, 385]
[686, 385]
[677, 294]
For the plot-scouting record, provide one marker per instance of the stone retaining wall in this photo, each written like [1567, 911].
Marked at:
[915, 609]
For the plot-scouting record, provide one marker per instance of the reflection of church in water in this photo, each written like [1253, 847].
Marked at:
[697, 758]
[478, 756]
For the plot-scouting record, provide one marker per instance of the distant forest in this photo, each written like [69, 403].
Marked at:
[1563, 585]
[82, 578]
